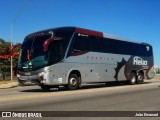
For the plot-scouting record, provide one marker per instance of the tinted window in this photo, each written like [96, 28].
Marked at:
[25, 49]
[82, 43]
[55, 53]
[57, 49]
[37, 47]
[66, 38]
[98, 44]
[127, 48]
[89, 43]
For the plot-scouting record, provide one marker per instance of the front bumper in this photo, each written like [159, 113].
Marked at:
[28, 80]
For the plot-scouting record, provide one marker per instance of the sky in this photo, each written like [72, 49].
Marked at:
[138, 20]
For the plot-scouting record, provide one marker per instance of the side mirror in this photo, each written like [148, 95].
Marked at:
[48, 41]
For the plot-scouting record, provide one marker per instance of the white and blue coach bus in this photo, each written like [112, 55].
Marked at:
[71, 56]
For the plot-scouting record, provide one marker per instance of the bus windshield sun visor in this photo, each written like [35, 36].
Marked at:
[48, 41]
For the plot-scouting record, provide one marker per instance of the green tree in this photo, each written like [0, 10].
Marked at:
[5, 54]
[2, 41]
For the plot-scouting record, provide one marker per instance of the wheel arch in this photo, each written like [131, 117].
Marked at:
[130, 74]
[73, 71]
[133, 71]
[141, 71]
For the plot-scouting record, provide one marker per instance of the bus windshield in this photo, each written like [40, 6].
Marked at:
[34, 57]
[32, 54]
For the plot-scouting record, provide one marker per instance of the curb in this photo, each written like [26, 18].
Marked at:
[9, 85]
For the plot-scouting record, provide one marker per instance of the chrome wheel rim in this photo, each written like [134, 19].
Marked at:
[133, 79]
[140, 78]
[73, 82]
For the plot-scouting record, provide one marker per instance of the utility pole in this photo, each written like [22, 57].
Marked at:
[13, 22]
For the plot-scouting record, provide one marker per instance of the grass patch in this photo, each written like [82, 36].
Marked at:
[6, 81]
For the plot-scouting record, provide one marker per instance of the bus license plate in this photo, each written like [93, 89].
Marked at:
[24, 78]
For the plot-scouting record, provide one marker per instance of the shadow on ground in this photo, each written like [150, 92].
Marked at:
[84, 86]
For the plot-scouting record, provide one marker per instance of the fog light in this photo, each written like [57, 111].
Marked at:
[18, 76]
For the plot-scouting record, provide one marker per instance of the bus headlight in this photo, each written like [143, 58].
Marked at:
[18, 76]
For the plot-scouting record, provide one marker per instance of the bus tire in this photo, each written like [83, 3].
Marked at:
[73, 82]
[133, 78]
[45, 87]
[140, 78]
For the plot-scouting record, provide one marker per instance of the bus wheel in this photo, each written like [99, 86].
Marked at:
[140, 78]
[45, 87]
[133, 78]
[73, 82]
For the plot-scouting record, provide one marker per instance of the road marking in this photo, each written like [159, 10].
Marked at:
[118, 102]
[53, 94]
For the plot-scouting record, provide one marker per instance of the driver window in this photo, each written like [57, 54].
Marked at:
[55, 52]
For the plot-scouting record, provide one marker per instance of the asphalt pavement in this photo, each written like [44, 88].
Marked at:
[96, 97]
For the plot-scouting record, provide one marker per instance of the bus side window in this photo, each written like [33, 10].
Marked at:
[98, 44]
[55, 52]
[82, 43]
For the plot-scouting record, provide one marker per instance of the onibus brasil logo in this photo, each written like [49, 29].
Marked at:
[21, 114]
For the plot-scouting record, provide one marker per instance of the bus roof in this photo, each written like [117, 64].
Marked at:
[87, 32]
[104, 35]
